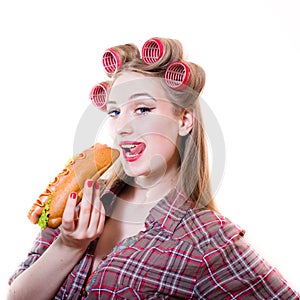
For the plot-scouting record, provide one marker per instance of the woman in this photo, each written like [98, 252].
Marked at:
[156, 233]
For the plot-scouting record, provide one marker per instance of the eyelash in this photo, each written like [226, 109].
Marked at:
[144, 110]
[139, 111]
[113, 113]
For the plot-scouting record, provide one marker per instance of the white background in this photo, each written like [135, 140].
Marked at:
[50, 59]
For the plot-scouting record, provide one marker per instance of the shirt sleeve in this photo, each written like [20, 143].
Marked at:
[235, 270]
[44, 239]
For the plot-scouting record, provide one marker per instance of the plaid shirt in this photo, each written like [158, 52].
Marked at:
[183, 254]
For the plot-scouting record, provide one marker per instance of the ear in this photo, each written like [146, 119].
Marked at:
[186, 122]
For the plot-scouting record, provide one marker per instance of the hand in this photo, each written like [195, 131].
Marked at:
[80, 228]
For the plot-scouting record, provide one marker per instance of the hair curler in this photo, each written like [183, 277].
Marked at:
[152, 51]
[111, 61]
[177, 75]
[98, 95]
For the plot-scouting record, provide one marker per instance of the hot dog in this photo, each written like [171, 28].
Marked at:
[48, 209]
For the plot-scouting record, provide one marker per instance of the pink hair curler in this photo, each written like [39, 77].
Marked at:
[111, 61]
[152, 51]
[98, 95]
[177, 75]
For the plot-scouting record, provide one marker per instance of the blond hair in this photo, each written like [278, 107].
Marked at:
[193, 181]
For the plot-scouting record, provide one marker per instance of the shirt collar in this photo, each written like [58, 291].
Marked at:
[169, 211]
[109, 196]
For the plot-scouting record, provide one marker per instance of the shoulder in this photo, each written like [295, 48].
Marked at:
[204, 227]
[231, 266]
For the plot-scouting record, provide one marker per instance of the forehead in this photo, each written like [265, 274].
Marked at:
[129, 84]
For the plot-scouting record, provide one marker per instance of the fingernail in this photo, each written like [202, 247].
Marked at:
[73, 195]
[89, 183]
[97, 185]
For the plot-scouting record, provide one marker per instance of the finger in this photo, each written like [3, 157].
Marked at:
[77, 210]
[96, 208]
[102, 219]
[86, 205]
[68, 219]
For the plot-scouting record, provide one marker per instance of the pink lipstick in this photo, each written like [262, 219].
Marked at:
[132, 151]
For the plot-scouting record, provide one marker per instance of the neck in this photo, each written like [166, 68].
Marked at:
[148, 189]
[156, 179]
[135, 202]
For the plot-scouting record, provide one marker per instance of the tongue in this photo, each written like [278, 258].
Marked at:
[137, 149]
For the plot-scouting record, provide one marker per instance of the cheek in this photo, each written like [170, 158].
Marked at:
[161, 126]
[112, 127]
[161, 147]
[161, 137]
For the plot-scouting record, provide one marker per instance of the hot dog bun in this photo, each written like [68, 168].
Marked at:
[90, 164]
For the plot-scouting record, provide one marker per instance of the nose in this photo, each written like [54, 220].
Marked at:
[124, 126]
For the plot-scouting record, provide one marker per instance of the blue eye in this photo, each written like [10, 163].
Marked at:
[143, 110]
[113, 113]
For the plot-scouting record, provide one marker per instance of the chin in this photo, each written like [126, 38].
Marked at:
[136, 169]
[146, 166]
[133, 172]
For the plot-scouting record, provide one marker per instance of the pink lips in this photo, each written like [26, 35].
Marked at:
[132, 151]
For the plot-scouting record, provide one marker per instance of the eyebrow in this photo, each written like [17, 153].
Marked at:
[137, 95]
[141, 95]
